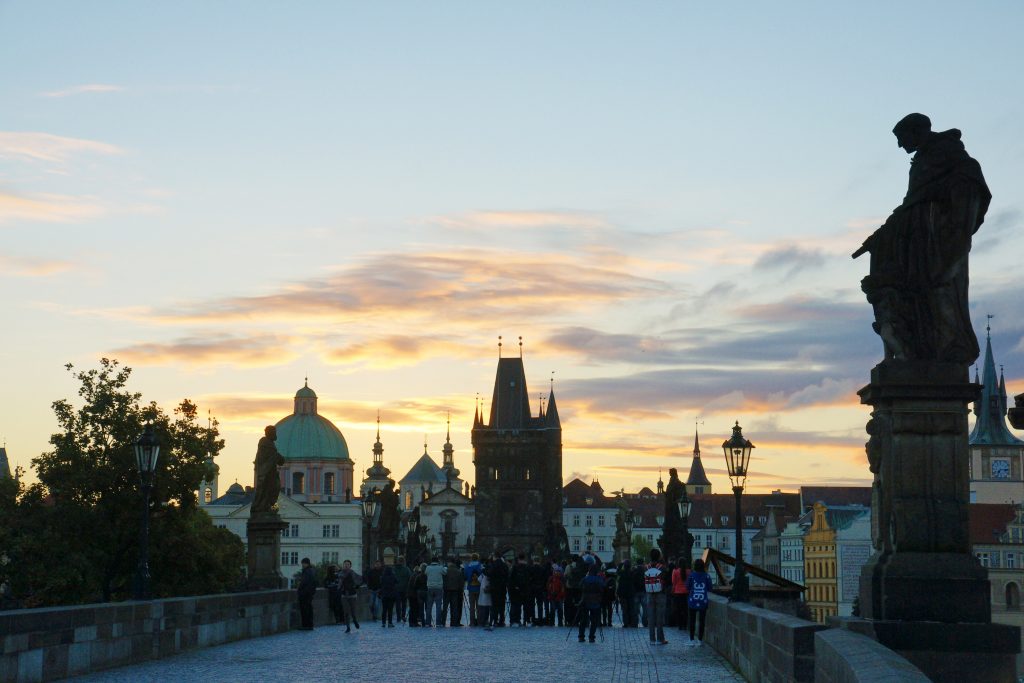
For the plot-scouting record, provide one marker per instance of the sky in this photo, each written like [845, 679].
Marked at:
[661, 199]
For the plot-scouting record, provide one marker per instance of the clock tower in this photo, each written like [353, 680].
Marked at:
[997, 456]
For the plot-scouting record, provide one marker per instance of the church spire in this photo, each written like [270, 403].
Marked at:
[448, 454]
[990, 408]
[697, 481]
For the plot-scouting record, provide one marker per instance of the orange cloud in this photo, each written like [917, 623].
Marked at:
[17, 266]
[218, 349]
[398, 351]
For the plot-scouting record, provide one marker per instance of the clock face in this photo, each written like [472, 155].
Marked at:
[1001, 469]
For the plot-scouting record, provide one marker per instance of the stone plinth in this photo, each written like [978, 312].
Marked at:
[923, 576]
[264, 551]
[947, 654]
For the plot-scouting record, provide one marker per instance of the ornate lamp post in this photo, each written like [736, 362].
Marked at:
[685, 505]
[421, 534]
[410, 537]
[369, 510]
[737, 458]
[147, 450]
[627, 526]
[590, 540]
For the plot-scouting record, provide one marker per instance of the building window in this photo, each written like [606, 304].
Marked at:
[335, 530]
[1012, 596]
[295, 530]
[408, 500]
[327, 530]
[600, 520]
[589, 501]
[329, 483]
[298, 483]
[208, 495]
[763, 520]
[600, 544]
[696, 541]
[1011, 561]
[983, 558]
[707, 541]
[330, 557]
[725, 542]
[707, 521]
[750, 520]
[576, 544]
[650, 538]
[575, 520]
[590, 520]
[295, 557]
[995, 560]
[284, 558]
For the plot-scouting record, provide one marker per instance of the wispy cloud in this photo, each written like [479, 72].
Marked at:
[792, 258]
[83, 89]
[46, 147]
[48, 207]
[468, 284]
[398, 350]
[21, 266]
[522, 219]
[215, 349]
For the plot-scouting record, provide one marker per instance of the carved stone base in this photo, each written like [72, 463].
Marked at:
[264, 552]
[965, 652]
[941, 587]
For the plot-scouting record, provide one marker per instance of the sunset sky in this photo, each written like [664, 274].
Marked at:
[660, 198]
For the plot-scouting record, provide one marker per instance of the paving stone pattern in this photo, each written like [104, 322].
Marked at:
[438, 654]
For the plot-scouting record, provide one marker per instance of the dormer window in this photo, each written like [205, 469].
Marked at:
[707, 521]
[763, 520]
[725, 520]
[589, 501]
[750, 520]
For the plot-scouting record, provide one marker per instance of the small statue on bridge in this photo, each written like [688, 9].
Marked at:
[267, 480]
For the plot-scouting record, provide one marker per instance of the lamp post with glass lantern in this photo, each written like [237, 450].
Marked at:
[369, 510]
[410, 538]
[627, 526]
[685, 505]
[147, 450]
[737, 459]
[590, 540]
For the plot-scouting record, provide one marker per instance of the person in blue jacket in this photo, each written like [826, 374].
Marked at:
[699, 586]
[592, 590]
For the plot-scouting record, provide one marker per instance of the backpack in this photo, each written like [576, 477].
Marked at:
[652, 580]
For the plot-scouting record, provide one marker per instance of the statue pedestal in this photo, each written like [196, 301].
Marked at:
[264, 551]
[923, 575]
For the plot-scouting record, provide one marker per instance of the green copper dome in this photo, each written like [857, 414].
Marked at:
[306, 435]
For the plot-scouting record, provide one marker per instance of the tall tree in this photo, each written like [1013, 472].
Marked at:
[84, 514]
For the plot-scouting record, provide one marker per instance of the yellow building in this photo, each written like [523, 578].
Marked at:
[820, 566]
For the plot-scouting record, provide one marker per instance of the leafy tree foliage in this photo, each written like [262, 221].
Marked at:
[77, 529]
[641, 547]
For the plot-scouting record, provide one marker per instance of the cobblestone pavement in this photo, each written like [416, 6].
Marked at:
[438, 654]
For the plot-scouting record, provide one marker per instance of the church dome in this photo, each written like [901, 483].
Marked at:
[307, 435]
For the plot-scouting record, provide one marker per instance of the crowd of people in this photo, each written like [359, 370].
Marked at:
[490, 593]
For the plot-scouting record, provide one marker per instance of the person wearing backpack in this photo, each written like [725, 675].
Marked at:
[698, 586]
[656, 582]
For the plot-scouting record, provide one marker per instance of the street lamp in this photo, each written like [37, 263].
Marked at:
[737, 459]
[685, 505]
[369, 510]
[147, 450]
[590, 539]
[627, 525]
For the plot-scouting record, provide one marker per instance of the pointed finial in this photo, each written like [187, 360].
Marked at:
[307, 381]
[520, 346]
[448, 436]
[552, 380]
[378, 424]
[424, 443]
[499, 346]
[988, 326]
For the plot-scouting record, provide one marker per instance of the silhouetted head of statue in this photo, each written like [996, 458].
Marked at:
[271, 432]
[911, 131]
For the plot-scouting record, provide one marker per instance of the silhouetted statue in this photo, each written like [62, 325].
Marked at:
[267, 481]
[389, 514]
[918, 279]
[673, 493]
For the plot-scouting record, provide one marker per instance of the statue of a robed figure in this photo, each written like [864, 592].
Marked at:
[918, 278]
[923, 576]
[264, 526]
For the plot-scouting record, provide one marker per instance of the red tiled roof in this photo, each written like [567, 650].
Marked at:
[988, 521]
[835, 495]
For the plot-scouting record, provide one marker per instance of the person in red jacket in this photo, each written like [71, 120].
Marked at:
[680, 595]
[556, 596]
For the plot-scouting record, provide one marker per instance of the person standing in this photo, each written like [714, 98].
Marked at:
[306, 591]
[484, 603]
[655, 587]
[373, 584]
[388, 595]
[679, 595]
[349, 584]
[472, 572]
[415, 606]
[402, 576]
[574, 576]
[333, 585]
[591, 591]
[639, 593]
[624, 590]
[497, 572]
[556, 597]
[518, 592]
[435, 591]
[423, 616]
[699, 586]
[454, 580]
